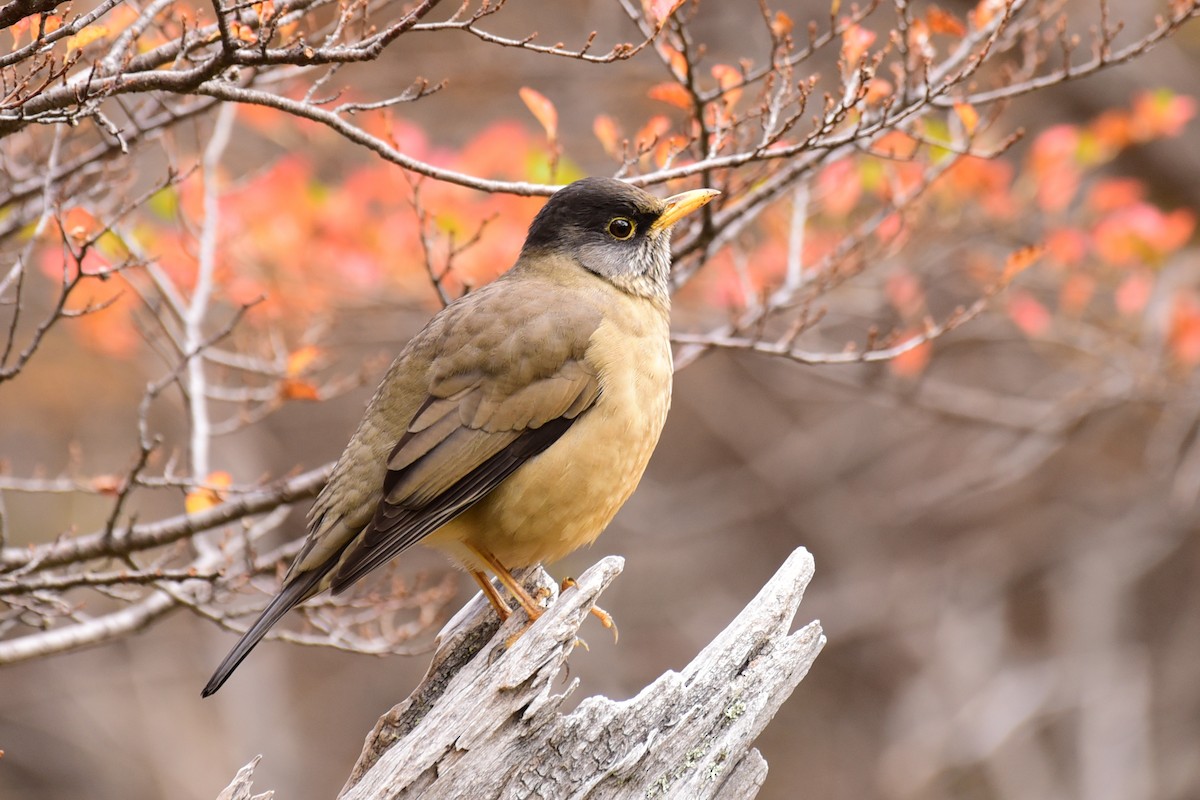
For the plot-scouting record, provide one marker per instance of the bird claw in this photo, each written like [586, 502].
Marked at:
[606, 619]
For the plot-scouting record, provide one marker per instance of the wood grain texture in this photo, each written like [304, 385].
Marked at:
[485, 722]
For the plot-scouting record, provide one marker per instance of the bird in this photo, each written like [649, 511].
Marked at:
[514, 425]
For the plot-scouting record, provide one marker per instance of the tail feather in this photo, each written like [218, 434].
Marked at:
[295, 592]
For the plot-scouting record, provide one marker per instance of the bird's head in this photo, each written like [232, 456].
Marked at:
[615, 230]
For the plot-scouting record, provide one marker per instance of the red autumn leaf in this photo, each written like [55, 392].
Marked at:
[855, 41]
[913, 362]
[107, 484]
[920, 40]
[668, 148]
[904, 292]
[18, 29]
[896, 145]
[1142, 233]
[1109, 132]
[542, 109]
[984, 12]
[1020, 260]
[878, 90]
[1054, 166]
[944, 22]
[839, 187]
[86, 36]
[1160, 113]
[651, 132]
[678, 62]
[1067, 246]
[606, 130]
[890, 228]
[205, 497]
[1028, 313]
[243, 33]
[1133, 293]
[298, 389]
[1111, 194]
[985, 181]
[299, 361]
[730, 80]
[781, 25]
[661, 10]
[1076, 293]
[671, 93]
[265, 11]
[80, 225]
[1183, 338]
[968, 116]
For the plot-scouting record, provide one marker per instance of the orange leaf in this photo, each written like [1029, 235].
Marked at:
[782, 25]
[1020, 260]
[107, 484]
[912, 363]
[840, 187]
[919, 39]
[890, 228]
[1161, 113]
[542, 109]
[855, 41]
[1076, 292]
[1067, 246]
[606, 130]
[1142, 233]
[944, 22]
[1028, 313]
[985, 11]
[299, 361]
[651, 132]
[904, 292]
[1111, 194]
[17, 31]
[79, 224]
[1133, 293]
[878, 89]
[661, 10]
[1184, 335]
[86, 36]
[243, 33]
[205, 497]
[668, 148]
[968, 116]
[678, 62]
[265, 11]
[671, 93]
[895, 145]
[298, 389]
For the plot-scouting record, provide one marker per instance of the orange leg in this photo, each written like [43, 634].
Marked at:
[492, 595]
[505, 577]
[606, 619]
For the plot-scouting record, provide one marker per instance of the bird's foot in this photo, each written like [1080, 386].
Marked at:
[606, 619]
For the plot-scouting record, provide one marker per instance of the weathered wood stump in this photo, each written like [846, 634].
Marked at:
[485, 723]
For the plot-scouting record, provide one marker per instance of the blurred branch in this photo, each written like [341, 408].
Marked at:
[144, 536]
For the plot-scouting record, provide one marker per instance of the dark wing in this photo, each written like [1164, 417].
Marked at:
[492, 381]
[457, 449]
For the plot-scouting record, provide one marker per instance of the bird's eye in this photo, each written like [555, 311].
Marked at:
[621, 228]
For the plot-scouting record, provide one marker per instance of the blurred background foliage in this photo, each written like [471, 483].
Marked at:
[1003, 512]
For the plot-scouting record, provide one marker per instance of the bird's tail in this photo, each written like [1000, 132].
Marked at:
[290, 596]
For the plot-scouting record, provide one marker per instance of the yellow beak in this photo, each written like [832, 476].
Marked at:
[680, 205]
